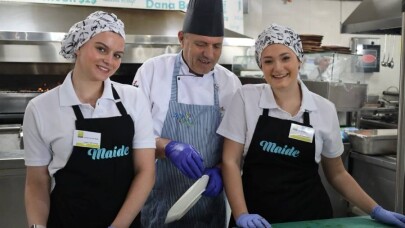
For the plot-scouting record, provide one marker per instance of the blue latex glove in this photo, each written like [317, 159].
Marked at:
[380, 214]
[185, 158]
[215, 185]
[252, 221]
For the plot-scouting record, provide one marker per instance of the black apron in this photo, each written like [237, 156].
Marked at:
[277, 185]
[90, 190]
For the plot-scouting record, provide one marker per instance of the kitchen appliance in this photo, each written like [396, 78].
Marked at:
[346, 96]
[12, 105]
[368, 51]
[375, 17]
[30, 38]
[378, 118]
[391, 97]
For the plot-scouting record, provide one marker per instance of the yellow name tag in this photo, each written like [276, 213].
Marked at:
[86, 139]
[301, 133]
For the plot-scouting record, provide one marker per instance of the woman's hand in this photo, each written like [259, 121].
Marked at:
[380, 214]
[252, 221]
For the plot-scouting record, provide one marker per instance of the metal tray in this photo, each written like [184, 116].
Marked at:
[374, 141]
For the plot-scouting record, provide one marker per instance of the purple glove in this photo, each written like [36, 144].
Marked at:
[252, 221]
[214, 186]
[185, 158]
[380, 214]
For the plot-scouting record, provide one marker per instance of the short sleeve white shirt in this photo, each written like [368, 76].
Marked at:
[240, 120]
[49, 121]
[154, 77]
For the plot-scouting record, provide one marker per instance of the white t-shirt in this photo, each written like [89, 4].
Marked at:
[240, 120]
[49, 121]
[154, 77]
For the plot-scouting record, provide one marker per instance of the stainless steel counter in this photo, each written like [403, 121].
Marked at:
[376, 174]
[12, 159]
[12, 182]
[15, 154]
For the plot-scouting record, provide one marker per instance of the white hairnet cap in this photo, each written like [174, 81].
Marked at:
[83, 31]
[278, 34]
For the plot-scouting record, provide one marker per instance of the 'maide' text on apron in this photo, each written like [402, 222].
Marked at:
[272, 147]
[103, 153]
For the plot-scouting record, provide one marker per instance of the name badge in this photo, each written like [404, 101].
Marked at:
[302, 133]
[86, 139]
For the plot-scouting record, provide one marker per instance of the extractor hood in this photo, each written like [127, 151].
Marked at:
[375, 17]
[31, 32]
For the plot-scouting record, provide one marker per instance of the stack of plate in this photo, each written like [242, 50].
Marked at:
[311, 43]
[338, 49]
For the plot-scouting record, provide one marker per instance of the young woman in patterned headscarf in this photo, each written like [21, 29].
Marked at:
[89, 143]
[277, 133]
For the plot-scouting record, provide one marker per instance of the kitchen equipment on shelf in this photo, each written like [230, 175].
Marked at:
[187, 200]
[13, 104]
[391, 95]
[11, 138]
[374, 141]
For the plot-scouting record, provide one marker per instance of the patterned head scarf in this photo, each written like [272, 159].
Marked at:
[83, 31]
[278, 34]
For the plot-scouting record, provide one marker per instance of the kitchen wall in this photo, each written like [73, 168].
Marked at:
[321, 17]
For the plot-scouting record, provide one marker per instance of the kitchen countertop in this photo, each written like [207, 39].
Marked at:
[349, 222]
[12, 159]
[386, 161]
[15, 154]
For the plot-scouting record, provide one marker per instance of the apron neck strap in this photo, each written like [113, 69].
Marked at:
[265, 112]
[78, 113]
[118, 102]
[306, 118]
[176, 71]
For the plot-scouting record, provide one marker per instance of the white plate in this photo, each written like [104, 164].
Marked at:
[187, 200]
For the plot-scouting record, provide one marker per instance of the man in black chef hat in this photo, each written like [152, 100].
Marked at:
[189, 93]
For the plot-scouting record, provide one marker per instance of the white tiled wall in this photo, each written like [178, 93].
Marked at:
[320, 17]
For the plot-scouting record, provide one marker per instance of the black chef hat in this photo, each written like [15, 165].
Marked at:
[204, 17]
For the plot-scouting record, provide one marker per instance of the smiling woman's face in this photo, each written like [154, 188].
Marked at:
[100, 57]
[280, 66]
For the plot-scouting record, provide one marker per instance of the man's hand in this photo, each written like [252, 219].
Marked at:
[215, 185]
[186, 158]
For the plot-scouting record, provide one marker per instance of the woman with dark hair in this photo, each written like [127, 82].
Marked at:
[278, 133]
[89, 144]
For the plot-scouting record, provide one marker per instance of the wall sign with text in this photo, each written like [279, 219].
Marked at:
[233, 9]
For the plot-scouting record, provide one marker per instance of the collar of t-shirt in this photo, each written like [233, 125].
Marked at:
[68, 97]
[267, 99]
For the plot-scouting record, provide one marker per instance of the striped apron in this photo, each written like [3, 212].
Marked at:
[195, 125]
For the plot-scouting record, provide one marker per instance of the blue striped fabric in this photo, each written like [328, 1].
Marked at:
[195, 125]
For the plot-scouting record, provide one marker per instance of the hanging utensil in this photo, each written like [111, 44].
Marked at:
[390, 64]
[383, 63]
[388, 51]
